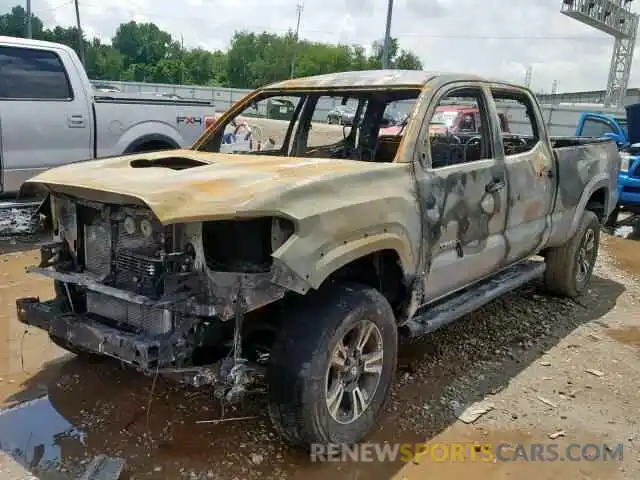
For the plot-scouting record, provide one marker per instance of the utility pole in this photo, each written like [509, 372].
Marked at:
[29, 32]
[299, 8]
[528, 76]
[182, 59]
[387, 37]
[80, 44]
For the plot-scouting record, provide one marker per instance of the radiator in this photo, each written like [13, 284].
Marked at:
[97, 247]
[150, 320]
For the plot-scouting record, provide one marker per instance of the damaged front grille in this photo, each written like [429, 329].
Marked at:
[154, 321]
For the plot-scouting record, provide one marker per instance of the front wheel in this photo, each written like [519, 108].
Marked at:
[332, 366]
[570, 266]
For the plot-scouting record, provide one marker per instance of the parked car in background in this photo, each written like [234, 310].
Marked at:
[625, 131]
[451, 119]
[51, 114]
[341, 115]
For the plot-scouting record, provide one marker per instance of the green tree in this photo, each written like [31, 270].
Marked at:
[398, 58]
[14, 23]
[142, 43]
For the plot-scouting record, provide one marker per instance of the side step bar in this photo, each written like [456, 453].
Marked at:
[458, 304]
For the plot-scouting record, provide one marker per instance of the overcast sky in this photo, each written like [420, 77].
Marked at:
[499, 38]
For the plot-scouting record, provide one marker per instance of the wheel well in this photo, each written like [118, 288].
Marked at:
[381, 270]
[152, 146]
[597, 203]
[151, 143]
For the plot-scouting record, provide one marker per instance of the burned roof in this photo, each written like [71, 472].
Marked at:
[372, 79]
[358, 79]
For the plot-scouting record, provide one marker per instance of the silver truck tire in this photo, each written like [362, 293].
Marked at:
[332, 366]
[570, 266]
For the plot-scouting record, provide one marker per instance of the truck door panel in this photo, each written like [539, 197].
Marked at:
[530, 174]
[45, 114]
[463, 205]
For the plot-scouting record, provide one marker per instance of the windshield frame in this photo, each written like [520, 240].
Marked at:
[211, 139]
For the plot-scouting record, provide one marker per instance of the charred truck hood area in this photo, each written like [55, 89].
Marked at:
[186, 185]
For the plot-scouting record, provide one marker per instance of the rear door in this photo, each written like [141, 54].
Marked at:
[530, 176]
[45, 113]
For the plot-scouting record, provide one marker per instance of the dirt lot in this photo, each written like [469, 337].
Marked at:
[527, 354]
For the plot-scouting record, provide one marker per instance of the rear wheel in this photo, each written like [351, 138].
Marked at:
[332, 366]
[570, 266]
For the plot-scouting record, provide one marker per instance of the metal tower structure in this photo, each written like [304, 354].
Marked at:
[613, 17]
[528, 76]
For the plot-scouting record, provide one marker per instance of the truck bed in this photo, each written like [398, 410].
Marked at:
[564, 142]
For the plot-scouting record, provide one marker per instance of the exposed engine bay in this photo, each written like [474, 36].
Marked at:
[170, 299]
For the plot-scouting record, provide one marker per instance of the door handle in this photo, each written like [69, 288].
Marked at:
[495, 185]
[76, 121]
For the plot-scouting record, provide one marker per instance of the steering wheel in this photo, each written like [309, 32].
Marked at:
[476, 139]
[522, 141]
[456, 138]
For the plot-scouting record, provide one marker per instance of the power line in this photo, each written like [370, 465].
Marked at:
[463, 37]
[68, 2]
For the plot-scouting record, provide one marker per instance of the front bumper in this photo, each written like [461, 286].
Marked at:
[147, 353]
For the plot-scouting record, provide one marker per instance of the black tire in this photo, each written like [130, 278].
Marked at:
[298, 370]
[561, 275]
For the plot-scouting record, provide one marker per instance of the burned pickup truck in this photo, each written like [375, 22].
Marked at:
[298, 267]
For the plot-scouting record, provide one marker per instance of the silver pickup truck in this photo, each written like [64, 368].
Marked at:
[51, 115]
[301, 264]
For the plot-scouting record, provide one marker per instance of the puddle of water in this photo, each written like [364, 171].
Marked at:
[624, 253]
[626, 335]
[30, 433]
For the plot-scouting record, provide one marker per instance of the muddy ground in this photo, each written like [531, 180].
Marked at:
[546, 365]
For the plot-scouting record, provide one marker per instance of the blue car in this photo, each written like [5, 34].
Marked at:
[626, 133]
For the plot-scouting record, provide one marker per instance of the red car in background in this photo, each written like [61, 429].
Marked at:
[451, 119]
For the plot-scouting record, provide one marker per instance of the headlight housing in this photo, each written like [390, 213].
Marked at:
[625, 162]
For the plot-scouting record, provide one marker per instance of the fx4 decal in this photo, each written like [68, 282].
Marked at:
[189, 120]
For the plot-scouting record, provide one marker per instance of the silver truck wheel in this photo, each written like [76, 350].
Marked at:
[354, 372]
[332, 366]
[570, 266]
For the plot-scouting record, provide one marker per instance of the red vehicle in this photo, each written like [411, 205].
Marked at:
[452, 119]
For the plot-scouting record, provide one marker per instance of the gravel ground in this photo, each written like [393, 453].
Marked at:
[546, 365]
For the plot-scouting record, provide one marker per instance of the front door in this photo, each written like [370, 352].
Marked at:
[530, 177]
[462, 190]
[45, 112]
